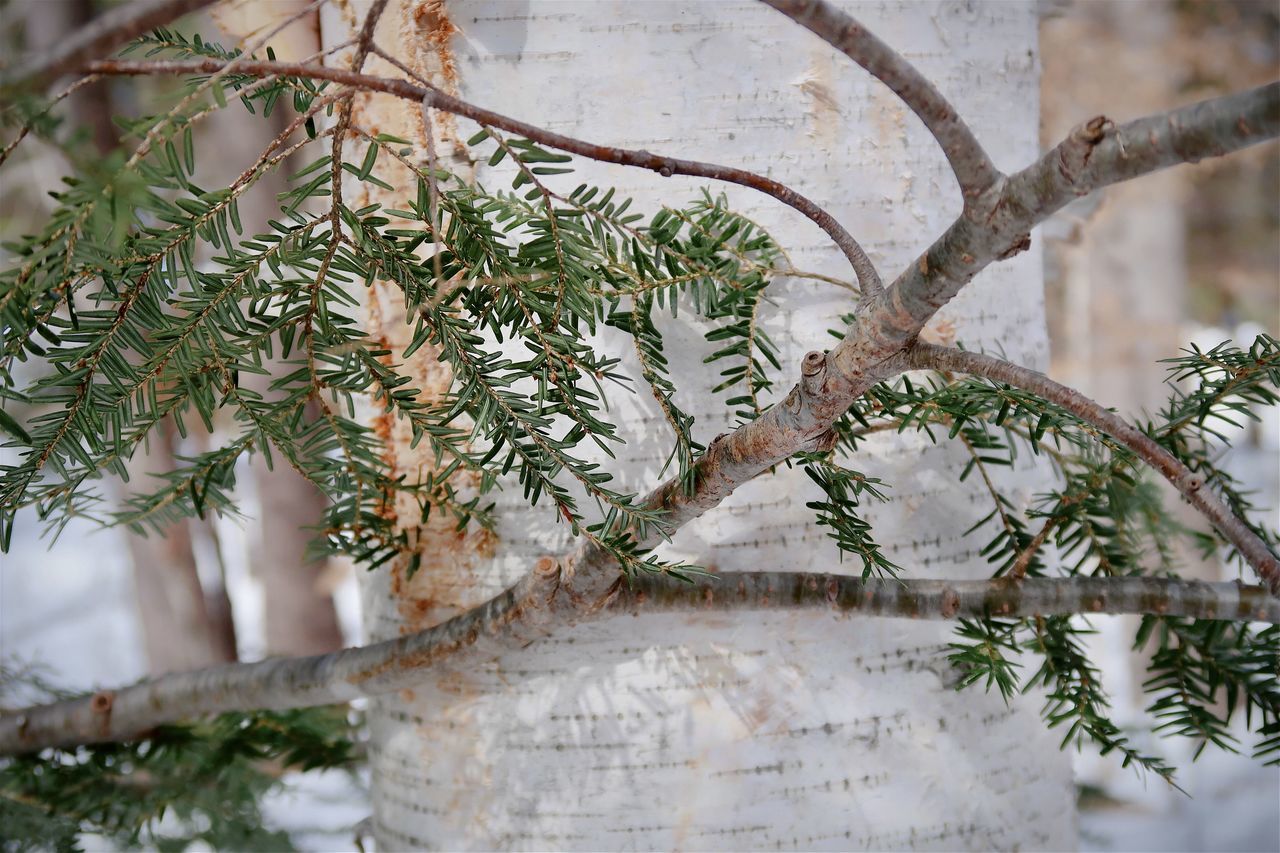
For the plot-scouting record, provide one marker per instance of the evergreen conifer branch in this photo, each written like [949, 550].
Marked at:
[173, 332]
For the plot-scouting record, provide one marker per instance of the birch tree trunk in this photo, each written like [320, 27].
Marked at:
[682, 731]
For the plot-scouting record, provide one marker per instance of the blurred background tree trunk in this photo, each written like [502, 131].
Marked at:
[1142, 269]
[298, 608]
[185, 624]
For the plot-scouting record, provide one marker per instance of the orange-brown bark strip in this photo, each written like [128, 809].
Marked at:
[1187, 482]
[398, 664]
[436, 577]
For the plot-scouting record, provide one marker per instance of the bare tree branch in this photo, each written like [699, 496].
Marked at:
[1099, 153]
[104, 33]
[279, 683]
[1190, 484]
[1093, 155]
[915, 598]
[969, 161]
[868, 279]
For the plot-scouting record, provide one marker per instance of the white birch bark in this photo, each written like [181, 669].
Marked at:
[761, 731]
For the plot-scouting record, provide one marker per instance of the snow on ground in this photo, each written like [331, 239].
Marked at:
[322, 811]
[1234, 805]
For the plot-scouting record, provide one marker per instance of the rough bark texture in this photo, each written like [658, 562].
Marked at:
[675, 731]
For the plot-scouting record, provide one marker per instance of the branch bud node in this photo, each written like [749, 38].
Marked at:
[813, 363]
[101, 701]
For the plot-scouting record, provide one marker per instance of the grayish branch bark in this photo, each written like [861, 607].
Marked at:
[279, 683]
[914, 598]
[998, 225]
[969, 160]
[1187, 482]
[97, 38]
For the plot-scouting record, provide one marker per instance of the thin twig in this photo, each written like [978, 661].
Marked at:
[1018, 570]
[665, 166]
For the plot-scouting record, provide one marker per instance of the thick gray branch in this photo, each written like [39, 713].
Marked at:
[384, 667]
[98, 38]
[973, 168]
[276, 683]
[999, 225]
[1099, 153]
[951, 599]
[1191, 485]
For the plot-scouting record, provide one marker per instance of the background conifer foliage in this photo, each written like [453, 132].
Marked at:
[614, 434]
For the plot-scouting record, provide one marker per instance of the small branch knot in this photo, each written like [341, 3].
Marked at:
[1095, 128]
[813, 363]
[546, 566]
[102, 701]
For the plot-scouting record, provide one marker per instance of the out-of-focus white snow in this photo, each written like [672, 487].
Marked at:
[322, 810]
